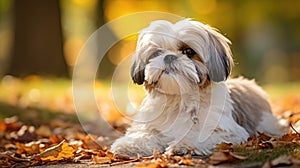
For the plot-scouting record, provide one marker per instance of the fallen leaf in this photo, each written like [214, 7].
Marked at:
[110, 155]
[10, 124]
[284, 160]
[101, 160]
[44, 131]
[224, 157]
[238, 157]
[9, 146]
[26, 134]
[220, 157]
[264, 136]
[290, 137]
[28, 148]
[52, 151]
[3, 126]
[89, 142]
[58, 152]
[224, 147]
[67, 151]
[54, 139]
[187, 162]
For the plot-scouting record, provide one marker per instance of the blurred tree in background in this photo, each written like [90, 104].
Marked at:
[265, 34]
[37, 48]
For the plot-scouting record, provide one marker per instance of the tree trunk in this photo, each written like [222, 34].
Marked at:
[38, 39]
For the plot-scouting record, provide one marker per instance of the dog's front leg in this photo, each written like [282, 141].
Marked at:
[135, 144]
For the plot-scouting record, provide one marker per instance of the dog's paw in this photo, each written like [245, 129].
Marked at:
[178, 150]
[129, 147]
[124, 152]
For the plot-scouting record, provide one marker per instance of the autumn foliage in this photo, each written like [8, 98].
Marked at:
[27, 139]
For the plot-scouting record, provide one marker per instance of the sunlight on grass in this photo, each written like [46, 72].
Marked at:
[55, 94]
[283, 89]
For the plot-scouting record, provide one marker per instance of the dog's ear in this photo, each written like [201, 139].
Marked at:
[220, 61]
[137, 72]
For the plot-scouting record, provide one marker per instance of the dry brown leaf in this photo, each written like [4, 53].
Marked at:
[264, 137]
[10, 146]
[110, 155]
[251, 143]
[10, 124]
[3, 126]
[224, 157]
[220, 157]
[26, 134]
[8, 156]
[89, 142]
[52, 151]
[290, 137]
[28, 148]
[54, 139]
[187, 162]
[284, 160]
[238, 157]
[224, 147]
[101, 160]
[58, 152]
[44, 131]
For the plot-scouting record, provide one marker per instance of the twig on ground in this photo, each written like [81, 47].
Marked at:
[294, 129]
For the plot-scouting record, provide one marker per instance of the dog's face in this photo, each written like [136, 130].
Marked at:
[172, 58]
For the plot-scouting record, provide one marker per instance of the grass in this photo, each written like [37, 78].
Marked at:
[257, 155]
[278, 90]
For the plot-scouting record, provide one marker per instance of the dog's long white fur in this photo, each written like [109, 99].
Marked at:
[190, 107]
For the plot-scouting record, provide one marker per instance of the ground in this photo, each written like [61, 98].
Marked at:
[38, 128]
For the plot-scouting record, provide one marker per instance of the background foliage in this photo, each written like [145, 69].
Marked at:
[265, 34]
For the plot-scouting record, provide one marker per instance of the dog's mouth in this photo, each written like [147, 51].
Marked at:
[170, 83]
[154, 83]
[171, 74]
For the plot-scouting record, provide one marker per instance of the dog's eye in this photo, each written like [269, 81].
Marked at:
[188, 52]
[155, 54]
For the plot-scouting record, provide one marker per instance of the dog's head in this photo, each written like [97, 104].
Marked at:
[172, 57]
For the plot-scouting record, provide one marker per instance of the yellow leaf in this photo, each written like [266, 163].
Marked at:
[67, 151]
[58, 152]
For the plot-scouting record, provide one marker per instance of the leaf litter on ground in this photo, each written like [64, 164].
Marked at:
[59, 141]
[27, 145]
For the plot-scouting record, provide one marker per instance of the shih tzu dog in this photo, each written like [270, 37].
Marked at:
[190, 107]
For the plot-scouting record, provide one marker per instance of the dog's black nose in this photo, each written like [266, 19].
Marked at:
[169, 58]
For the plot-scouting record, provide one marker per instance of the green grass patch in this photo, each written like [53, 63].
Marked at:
[257, 155]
